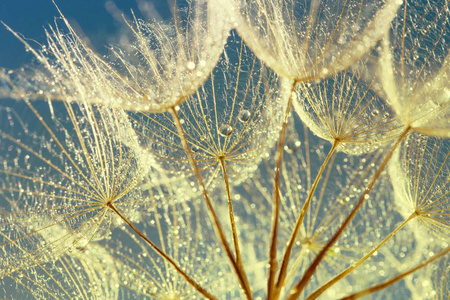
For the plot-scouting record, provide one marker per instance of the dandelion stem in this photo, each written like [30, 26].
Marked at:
[276, 198]
[350, 269]
[287, 253]
[395, 279]
[190, 280]
[233, 224]
[241, 276]
[301, 255]
[298, 288]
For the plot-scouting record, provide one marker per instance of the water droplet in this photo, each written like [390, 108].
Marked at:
[225, 130]
[293, 145]
[244, 115]
[195, 148]
[191, 65]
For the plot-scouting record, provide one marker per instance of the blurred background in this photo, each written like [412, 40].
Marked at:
[99, 21]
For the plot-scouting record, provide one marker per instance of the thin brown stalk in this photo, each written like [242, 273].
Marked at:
[167, 258]
[350, 269]
[300, 286]
[231, 214]
[241, 276]
[276, 198]
[287, 253]
[395, 279]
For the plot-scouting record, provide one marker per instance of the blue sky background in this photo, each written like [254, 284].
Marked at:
[30, 17]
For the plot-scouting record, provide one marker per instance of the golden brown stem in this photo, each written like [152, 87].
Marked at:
[287, 253]
[241, 276]
[233, 224]
[350, 269]
[299, 287]
[191, 281]
[276, 198]
[395, 279]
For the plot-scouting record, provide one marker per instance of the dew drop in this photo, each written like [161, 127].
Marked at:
[293, 145]
[225, 130]
[195, 148]
[191, 65]
[244, 115]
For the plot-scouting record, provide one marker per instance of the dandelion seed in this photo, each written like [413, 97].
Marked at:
[190, 244]
[323, 216]
[164, 65]
[415, 67]
[307, 41]
[422, 186]
[225, 118]
[347, 109]
[91, 270]
[66, 192]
